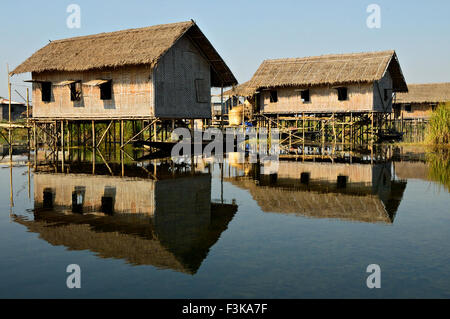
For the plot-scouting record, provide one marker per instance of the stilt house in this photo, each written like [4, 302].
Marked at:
[421, 100]
[359, 82]
[163, 71]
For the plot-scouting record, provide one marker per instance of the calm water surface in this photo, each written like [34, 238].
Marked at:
[302, 229]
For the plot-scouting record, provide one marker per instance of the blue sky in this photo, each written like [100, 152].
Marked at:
[246, 32]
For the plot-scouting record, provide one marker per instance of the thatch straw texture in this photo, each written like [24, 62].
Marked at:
[75, 233]
[335, 69]
[144, 46]
[425, 93]
[243, 89]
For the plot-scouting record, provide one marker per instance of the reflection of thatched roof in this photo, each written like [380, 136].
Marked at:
[425, 93]
[65, 231]
[326, 204]
[329, 70]
[135, 239]
[144, 46]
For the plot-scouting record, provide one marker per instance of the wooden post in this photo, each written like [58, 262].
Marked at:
[35, 144]
[243, 114]
[322, 124]
[401, 124]
[69, 134]
[9, 112]
[28, 116]
[372, 130]
[93, 135]
[62, 146]
[192, 131]
[351, 127]
[121, 150]
[173, 128]
[121, 133]
[303, 128]
[221, 108]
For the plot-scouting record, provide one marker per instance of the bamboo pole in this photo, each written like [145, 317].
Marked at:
[93, 135]
[9, 111]
[121, 133]
[62, 146]
[372, 129]
[35, 144]
[104, 134]
[221, 108]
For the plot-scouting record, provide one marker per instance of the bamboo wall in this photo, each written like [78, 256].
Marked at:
[418, 111]
[324, 99]
[379, 103]
[175, 76]
[132, 95]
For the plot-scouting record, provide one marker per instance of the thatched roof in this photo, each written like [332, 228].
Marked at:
[425, 93]
[337, 69]
[144, 46]
[243, 89]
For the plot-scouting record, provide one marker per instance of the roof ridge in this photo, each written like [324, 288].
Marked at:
[431, 83]
[390, 52]
[105, 34]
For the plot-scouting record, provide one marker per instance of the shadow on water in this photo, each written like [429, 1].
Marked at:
[159, 213]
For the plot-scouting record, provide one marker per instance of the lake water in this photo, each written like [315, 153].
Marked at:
[294, 229]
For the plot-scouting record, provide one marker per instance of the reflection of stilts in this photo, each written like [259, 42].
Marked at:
[221, 182]
[29, 174]
[11, 203]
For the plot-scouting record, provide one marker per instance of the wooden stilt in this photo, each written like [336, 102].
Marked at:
[93, 134]
[62, 146]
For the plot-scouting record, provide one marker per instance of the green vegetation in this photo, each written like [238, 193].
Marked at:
[19, 136]
[439, 167]
[438, 130]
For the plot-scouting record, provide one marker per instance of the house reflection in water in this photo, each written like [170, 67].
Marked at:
[353, 192]
[169, 223]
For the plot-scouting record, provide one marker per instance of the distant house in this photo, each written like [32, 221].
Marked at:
[228, 103]
[421, 100]
[17, 109]
[163, 71]
[360, 82]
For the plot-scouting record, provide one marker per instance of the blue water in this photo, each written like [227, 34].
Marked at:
[258, 254]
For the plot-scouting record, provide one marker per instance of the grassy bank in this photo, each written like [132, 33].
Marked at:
[438, 130]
